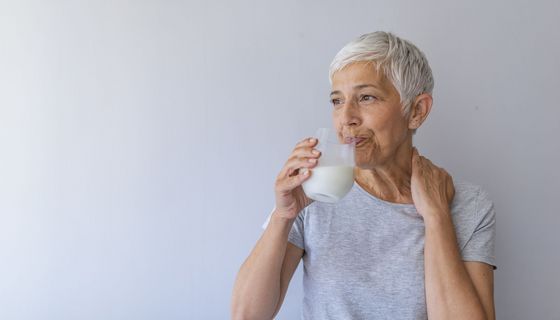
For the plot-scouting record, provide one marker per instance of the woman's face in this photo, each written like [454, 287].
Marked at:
[367, 110]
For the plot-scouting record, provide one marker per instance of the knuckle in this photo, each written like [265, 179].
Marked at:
[294, 157]
[305, 141]
[301, 150]
[304, 149]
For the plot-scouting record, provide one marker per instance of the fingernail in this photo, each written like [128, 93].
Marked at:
[315, 151]
[311, 140]
[312, 160]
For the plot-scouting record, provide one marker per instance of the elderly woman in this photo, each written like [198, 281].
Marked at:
[406, 242]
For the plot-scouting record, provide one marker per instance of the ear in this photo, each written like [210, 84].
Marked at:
[419, 110]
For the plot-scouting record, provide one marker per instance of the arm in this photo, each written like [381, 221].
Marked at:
[454, 289]
[263, 279]
[482, 276]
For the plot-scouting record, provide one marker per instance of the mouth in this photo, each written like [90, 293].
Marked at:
[356, 140]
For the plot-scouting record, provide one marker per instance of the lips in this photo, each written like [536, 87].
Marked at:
[355, 140]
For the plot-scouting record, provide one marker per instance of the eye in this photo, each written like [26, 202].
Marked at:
[367, 97]
[336, 101]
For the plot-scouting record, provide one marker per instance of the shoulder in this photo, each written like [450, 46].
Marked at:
[469, 199]
[474, 219]
[471, 207]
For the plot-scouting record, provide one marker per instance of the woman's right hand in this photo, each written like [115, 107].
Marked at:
[290, 198]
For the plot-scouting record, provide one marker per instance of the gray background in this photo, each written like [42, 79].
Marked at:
[139, 141]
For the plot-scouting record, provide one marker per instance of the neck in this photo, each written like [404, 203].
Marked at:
[390, 181]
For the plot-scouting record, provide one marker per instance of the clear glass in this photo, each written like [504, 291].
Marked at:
[333, 176]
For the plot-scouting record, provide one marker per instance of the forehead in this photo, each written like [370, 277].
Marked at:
[360, 73]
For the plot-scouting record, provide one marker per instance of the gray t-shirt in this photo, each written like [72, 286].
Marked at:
[364, 257]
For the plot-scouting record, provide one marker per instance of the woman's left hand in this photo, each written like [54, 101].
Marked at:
[432, 187]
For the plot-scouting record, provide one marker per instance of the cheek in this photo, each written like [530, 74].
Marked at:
[386, 139]
[368, 152]
[389, 128]
[336, 119]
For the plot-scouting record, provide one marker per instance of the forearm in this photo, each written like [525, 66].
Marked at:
[450, 293]
[257, 287]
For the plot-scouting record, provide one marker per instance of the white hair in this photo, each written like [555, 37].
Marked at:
[400, 61]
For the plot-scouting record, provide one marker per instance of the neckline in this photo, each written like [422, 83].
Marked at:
[384, 202]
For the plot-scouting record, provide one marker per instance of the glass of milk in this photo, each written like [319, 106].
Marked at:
[333, 176]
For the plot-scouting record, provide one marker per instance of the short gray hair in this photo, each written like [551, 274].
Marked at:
[400, 61]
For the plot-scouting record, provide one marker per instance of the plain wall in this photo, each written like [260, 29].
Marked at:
[139, 141]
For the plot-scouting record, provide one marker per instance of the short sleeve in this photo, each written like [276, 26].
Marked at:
[296, 233]
[480, 246]
[296, 236]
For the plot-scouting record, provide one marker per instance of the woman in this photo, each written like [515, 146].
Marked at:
[406, 242]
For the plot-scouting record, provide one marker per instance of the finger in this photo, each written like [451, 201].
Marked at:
[296, 163]
[430, 163]
[305, 152]
[304, 149]
[290, 183]
[426, 163]
[307, 142]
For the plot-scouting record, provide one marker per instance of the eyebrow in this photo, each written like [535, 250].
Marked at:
[358, 87]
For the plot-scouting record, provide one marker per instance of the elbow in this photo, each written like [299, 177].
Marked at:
[248, 304]
[239, 312]
[244, 314]
[243, 311]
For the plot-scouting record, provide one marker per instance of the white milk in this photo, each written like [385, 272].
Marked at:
[330, 183]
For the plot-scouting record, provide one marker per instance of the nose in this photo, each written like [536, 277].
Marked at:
[350, 113]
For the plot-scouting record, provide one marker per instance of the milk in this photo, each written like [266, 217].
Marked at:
[329, 183]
